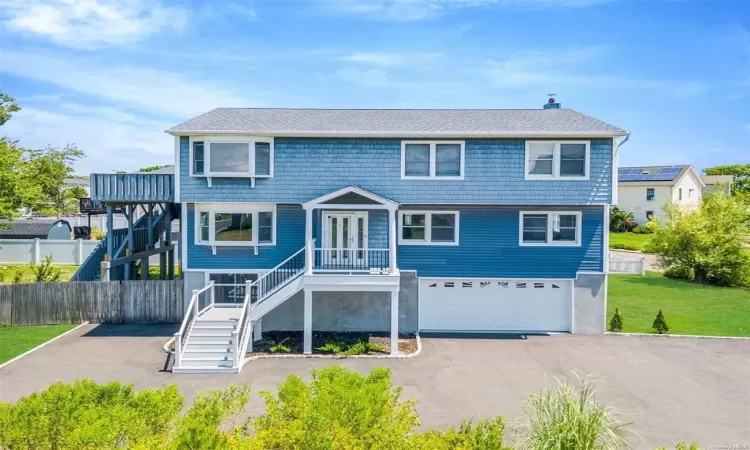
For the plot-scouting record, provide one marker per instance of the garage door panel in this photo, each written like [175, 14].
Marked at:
[494, 305]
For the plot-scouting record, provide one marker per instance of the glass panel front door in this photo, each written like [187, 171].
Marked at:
[344, 241]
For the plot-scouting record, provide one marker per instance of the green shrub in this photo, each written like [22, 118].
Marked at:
[709, 243]
[485, 435]
[87, 415]
[571, 419]
[359, 348]
[45, 272]
[338, 407]
[280, 348]
[204, 426]
[679, 273]
[642, 229]
[331, 347]
[615, 323]
[18, 276]
[660, 323]
[624, 246]
[652, 225]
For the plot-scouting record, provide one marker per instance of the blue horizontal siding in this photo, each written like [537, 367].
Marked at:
[290, 237]
[489, 248]
[307, 168]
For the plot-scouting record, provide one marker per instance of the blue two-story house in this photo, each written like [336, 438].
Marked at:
[400, 220]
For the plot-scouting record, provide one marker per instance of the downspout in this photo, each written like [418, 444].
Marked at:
[627, 137]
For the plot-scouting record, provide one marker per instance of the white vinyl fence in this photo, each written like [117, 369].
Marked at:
[632, 266]
[32, 251]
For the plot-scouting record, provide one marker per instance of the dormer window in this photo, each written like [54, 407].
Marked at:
[232, 158]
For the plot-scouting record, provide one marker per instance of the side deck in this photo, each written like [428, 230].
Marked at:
[132, 187]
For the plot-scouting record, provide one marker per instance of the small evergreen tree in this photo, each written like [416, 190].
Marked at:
[615, 324]
[46, 272]
[660, 323]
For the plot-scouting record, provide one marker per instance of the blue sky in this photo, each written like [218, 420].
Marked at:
[111, 75]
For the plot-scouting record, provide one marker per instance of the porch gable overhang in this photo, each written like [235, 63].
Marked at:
[375, 201]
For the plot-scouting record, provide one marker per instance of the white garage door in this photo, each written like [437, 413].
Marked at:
[474, 304]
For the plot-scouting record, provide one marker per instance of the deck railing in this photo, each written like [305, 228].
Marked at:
[201, 300]
[371, 260]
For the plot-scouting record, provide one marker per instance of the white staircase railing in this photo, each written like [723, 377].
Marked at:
[262, 289]
[201, 300]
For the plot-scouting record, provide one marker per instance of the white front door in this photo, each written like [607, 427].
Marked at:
[344, 240]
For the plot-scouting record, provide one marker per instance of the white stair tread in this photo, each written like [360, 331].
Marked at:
[208, 358]
[218, 342]
[209, 350]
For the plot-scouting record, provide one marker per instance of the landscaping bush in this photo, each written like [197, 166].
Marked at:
[280, 348]
[332, 347]
[338, 407]
[615, 324]
[679, 273]
[569, 418]
[708, 243]
[682, 446]
[660, 323]
[642, 229]
[358, 348]
[45, 272]
[485, 435]
[619, 219]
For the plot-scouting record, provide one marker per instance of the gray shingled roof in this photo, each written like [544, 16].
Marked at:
[24, 229]
[397, 122]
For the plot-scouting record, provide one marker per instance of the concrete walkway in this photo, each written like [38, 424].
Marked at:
[673, 388]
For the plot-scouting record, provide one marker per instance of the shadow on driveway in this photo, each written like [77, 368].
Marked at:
[133, 330]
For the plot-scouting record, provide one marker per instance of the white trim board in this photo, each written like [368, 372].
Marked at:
[320, 202]
[403, 134]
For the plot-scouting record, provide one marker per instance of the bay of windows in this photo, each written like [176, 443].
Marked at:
[232, 159]
[234, 228]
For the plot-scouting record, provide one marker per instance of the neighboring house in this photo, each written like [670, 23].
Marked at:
[35, 229]
[644, 191]
[386, 220]
[716, 183]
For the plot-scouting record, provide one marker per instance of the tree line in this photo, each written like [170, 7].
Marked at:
[34, 180]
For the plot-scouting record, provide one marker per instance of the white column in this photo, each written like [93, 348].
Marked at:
[258, 330]
[392, 238]
[394, 322]
[36, 258]
[309, 241]
[308, 322]
[79, 251]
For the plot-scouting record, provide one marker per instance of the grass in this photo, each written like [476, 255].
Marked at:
[688, 307]
[627, 241]
[7, 272]
[16, 340]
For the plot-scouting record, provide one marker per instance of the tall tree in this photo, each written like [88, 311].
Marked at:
[49, 168]
[741, 173]
[15, 189]
[7, 107]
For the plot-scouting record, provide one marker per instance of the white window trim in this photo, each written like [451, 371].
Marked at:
[550, 233]
[428, 228]
[556, 162]
[249, 140]
[433, 147]
[235, 208]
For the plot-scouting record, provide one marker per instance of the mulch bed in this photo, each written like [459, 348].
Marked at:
[407, 343]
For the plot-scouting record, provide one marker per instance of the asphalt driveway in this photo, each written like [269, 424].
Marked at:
[673, 388]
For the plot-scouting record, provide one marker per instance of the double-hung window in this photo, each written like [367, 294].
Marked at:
[232, 158]
[440, 160]
[550, 160]
[650, 194]
[552, 228]
[235, 226]
[428, 227]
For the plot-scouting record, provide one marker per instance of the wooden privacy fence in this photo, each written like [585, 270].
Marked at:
[142, 301]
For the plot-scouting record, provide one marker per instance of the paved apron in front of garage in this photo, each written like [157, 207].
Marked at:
[674, 388]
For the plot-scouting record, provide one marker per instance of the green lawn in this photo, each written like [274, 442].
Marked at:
[16, 340]
[627, 241]
[689, 308]
[7, 272]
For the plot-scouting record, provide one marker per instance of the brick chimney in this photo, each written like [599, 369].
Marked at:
[551, 103]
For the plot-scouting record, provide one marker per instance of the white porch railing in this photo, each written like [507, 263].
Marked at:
[371, 260]
[632, 266]
[261, 289]
[201, 300]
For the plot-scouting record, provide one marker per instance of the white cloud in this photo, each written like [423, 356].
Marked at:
[91, 23]
[394, 59]
[412, 10]
[156, 91]
[111, 141]
[568, 69]
[370, 78]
